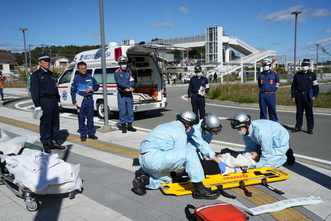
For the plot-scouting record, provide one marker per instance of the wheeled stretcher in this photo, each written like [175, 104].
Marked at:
[214, 182]
[31, 173]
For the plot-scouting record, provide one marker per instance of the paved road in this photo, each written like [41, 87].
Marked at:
[313, 147]
[107, 171]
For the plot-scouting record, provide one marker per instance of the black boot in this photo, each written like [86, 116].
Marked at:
[124, 128]
[139, 184]
[130, 128]
[201, 192]
[290, 157]
[56, 145]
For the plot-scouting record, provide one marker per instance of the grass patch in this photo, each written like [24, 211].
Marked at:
[249, 93]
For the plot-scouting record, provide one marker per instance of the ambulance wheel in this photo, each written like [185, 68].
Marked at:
[31, 205]
[100, 110]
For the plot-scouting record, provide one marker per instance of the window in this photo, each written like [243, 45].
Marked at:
[110, 75]
[66, 77]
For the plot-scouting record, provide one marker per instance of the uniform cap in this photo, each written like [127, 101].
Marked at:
[305, 62]
[197, 68]
[44, 57]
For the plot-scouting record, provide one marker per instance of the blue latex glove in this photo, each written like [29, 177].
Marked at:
[222, 166]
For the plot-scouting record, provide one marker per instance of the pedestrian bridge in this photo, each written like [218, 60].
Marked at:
[215, 43]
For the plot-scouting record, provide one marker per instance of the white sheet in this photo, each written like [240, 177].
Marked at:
[13, 145]
[283, 204]
[40, 168]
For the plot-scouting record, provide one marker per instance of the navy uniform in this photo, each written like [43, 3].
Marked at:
[85, 109]
[45, 96]
[197, 84]
[268, 82]
[125, 83]
[304, 90]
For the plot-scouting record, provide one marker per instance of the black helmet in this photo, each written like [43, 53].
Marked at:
[197, 68]
[187, 117]
[240, 120]
[211, 123]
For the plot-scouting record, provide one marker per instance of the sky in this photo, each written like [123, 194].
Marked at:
[265, 25]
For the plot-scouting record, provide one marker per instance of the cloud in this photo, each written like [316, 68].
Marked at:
[320, 13]
[184, 10]
[322, 43]
[71, 10]
[166, 24]
[327, 31]
[284, 15]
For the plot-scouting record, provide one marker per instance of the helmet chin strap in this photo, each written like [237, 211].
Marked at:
[247, 127]
[186, 126]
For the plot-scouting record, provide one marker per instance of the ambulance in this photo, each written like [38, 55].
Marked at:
[149, 88]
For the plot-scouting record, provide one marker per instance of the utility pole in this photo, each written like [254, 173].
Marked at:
[26, 59]
[30, 56]
[296, 13]
[321, 74]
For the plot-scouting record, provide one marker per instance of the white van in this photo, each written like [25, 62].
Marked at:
[150, 91]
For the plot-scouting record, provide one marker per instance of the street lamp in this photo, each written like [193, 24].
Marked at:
[295, 37]
[26, 58]
[321, 76]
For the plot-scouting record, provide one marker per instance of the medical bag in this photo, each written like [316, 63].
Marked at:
[218, 212]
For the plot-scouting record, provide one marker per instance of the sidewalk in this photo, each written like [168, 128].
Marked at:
[107, 171]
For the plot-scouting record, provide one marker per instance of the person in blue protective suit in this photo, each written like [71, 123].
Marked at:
[197, 90]
[82, 89]
[45, 96]
[265, 136]
[304, 91]
[164, 150]
[125, 83]
[268, 82]
[200, 136]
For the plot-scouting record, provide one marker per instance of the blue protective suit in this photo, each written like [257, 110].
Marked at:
[199, 140]
[271, 138]
[124, 80]
[86, 109]
[164, 150]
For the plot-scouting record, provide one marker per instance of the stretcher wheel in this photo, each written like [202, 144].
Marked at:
[31, 204]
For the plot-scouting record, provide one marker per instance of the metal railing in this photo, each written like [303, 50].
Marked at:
[180, 40]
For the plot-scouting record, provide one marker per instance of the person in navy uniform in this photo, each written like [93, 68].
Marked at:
[197, 90]
[304, 91]
[125, 83]
[82, 89]
[45, 96]
[268, 82]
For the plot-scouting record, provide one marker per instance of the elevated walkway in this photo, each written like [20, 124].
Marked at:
[216, 62]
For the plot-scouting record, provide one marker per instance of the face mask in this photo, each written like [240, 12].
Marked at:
[123, 66]
[304, 68]
[266, 68]
[199, 74]
[242, 132]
